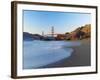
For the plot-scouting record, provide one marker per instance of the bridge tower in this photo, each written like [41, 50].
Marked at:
[52, 31]
[42, 33]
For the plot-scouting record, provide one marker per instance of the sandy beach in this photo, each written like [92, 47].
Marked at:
[81, 56]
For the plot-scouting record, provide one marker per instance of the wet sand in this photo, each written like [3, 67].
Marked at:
[81, 56]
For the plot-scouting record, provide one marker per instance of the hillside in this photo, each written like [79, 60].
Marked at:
[28, 36]
[80, 33]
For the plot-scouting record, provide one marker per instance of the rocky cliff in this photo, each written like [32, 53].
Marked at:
[80, 33]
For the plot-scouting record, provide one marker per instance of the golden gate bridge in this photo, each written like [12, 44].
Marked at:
[52, 34]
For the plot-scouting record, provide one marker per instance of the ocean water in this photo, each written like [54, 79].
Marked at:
[40, 53]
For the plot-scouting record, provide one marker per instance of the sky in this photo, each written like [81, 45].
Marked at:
[36, 22]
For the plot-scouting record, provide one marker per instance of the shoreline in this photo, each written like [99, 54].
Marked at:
[81, 56]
